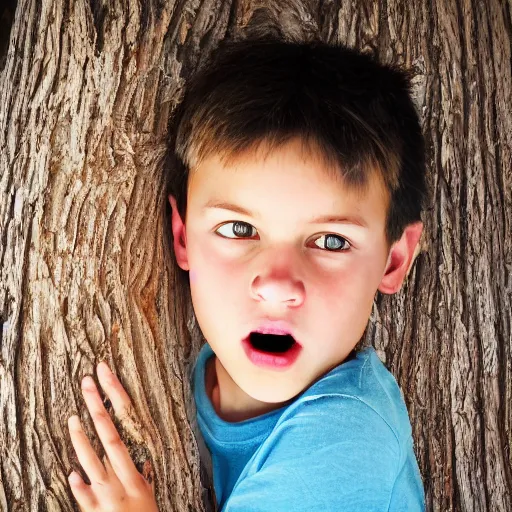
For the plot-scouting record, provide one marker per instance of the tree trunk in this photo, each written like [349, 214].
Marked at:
[86, 90]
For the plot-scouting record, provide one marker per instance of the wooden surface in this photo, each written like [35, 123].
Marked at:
[86, 88]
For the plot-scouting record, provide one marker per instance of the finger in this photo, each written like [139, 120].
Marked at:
[114, 447]
[114, 389]
[117, 488]
[84, 451]
[110, 470]
[82, 492]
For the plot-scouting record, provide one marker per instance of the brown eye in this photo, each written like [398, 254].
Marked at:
[238, 229]
[332, 243]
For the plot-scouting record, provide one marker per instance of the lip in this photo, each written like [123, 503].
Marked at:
[273, 361]
[274, 327]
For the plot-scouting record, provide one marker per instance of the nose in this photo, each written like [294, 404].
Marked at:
[277, 290]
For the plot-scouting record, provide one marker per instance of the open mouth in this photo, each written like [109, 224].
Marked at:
[275, 343]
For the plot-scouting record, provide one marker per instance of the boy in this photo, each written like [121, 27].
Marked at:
[297, 184]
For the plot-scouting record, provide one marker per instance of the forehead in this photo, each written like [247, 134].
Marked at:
[289, 179]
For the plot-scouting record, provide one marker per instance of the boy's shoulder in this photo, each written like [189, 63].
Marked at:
[360, 386]
[351, 422]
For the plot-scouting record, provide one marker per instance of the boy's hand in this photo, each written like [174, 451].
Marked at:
[117, 485]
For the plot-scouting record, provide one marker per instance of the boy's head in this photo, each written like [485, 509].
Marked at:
[297, 179]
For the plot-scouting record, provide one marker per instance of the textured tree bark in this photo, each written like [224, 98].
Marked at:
[86, 88]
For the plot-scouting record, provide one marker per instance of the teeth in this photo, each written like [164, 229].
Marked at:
[276, 332]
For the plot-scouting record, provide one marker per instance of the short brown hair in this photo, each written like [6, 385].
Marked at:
[354, 111]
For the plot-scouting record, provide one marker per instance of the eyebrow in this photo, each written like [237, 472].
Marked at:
[324, 219]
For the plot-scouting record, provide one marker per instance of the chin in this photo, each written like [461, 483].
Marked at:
[271, 395]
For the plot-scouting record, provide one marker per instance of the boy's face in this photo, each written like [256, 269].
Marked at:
[282, 270]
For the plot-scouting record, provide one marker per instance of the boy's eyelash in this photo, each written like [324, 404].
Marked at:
[238, 237]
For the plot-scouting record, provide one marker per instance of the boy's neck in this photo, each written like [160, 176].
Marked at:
[230, 402]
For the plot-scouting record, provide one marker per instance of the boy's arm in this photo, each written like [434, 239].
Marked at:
[352, 462]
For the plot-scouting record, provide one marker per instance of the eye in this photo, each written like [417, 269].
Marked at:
[238, 229]
[333, 243]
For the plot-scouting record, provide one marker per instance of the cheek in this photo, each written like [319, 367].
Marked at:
[345, 295]
[217, 289]
[213, 276]
[209, 265]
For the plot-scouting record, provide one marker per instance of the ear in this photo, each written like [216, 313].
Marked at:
[179, 236]
[400, 259]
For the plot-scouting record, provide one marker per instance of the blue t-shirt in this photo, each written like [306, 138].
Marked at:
[343, 444]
